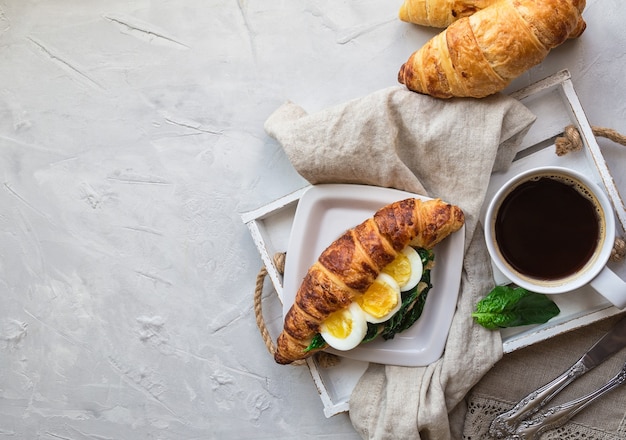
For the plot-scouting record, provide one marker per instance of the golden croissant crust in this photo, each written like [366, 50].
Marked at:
[442, 13]
[439, 13]
[481, 54]
[351, 263]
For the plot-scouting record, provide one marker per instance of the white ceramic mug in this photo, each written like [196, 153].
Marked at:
[592, 270]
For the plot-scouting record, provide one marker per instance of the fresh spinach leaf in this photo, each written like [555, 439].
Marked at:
[373, 330]
[507, 306]
[317, 342]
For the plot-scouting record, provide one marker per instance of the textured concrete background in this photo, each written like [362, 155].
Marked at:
[131, 137]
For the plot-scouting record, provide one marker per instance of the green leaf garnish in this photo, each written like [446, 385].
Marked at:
[506, 306]
[316, 343]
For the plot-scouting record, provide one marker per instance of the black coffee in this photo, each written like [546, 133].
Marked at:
[547, 229]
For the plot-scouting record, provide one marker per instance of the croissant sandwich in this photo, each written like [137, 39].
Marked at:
[368, 281]
[442, 13]
[481, 54]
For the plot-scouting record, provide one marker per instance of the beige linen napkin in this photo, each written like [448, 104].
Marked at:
[441, 148]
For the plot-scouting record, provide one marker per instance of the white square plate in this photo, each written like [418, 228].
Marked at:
[327, 211]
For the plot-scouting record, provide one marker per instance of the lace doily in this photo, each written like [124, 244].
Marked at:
[481, 411]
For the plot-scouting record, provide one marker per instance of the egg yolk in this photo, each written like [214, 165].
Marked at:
[339, 324]
[399, 269]
[379, 299]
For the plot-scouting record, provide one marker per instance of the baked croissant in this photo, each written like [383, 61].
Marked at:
[351, 263]
[439, 13]
[479, 55]
[442, 13]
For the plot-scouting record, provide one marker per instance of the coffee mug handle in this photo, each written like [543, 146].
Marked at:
[610, 286]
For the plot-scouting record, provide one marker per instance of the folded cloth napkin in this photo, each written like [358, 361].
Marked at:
[440, 148]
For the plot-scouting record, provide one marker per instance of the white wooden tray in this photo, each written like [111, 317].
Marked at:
[556, 105]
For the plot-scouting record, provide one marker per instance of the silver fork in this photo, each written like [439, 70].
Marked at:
[556, 416]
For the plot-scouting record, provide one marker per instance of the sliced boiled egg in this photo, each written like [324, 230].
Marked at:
[345, 328]
[406, 269]
[381, 300]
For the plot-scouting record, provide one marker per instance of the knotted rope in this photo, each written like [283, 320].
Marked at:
[572, 141]
[323, 359]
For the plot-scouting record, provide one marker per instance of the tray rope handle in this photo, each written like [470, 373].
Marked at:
[323, 359]
[571, 141]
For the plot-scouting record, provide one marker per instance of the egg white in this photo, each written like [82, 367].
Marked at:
[417, 268]
[359, 329]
